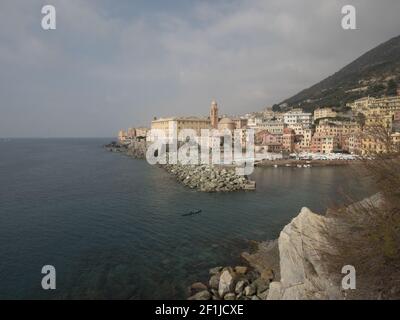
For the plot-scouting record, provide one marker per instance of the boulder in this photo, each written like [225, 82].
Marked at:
[226, 283]
[241, 269]
[202, 295]
[261, 285]
[198, 286]
[240, 286]
[252, 275]
[214, 281]
[263, 295]
[250, 290]
[228, 269]
[230, 296]
[215, 295]
[215, 270]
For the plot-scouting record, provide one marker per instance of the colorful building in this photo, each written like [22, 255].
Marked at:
[321, 113]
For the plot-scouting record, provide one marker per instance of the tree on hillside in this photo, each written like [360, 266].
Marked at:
[373, 244]
[376, 90]
[360, 118]
[276, 108]
[391, 89]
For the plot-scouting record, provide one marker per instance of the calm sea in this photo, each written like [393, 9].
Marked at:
[113, 228]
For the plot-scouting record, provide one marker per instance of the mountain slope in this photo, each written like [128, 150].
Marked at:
[370, 74]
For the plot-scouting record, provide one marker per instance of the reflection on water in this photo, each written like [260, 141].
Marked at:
[112, 226]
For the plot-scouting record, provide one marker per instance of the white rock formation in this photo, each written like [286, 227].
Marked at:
[303, 274]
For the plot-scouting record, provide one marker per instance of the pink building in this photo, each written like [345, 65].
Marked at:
[288, 140]
[264, 137]
[322, 143]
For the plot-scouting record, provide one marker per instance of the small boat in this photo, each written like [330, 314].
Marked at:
[191, 213]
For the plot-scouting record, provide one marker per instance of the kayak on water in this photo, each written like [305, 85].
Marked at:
[191, 213]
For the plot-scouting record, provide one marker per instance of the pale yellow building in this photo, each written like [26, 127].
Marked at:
[373, 145]
[379, 117]
[321, 113]
[377, 144]
[122, 136]
[337, 128]
[180, 123]
[141, 132]
[361, 105]
[396, 139]
[389, 104]
[354, 143]
[306, 139]
[131, 133]
[273, 127]
[297, 127]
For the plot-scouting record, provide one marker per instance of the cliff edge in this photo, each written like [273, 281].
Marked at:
[302, 246]
[306, 261]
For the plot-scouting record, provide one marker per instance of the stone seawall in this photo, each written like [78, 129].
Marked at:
[207, 178]
[204, 178]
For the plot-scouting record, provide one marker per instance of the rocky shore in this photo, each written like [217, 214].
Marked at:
[115, 147]
[204, 178]
[209, 178]
[136, 149]
[238, 283]
[246, 282]
[289, 268]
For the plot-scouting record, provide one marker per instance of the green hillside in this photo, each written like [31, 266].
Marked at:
[375, 73]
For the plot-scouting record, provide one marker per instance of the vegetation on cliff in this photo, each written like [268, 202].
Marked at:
[375, 73]
[371, 240]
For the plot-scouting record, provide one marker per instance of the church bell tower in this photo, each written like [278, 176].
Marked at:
[214, 115]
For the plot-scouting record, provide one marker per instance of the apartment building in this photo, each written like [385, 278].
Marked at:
[298, 116]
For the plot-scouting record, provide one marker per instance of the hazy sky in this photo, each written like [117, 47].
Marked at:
[114, 64]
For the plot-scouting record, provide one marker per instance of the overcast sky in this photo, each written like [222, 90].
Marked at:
[114, 64]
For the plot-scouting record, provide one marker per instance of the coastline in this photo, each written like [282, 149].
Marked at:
[299, 265]
[277, 269]
[201, 177]
[138, 149]
[312, 163]
[258, 276]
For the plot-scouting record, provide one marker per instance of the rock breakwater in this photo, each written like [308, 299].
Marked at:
[205, 178]
[209, 178]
